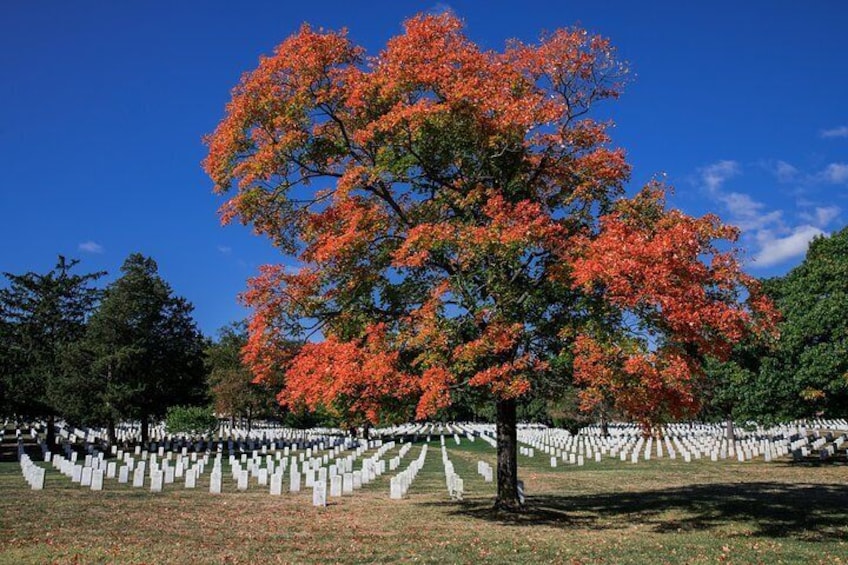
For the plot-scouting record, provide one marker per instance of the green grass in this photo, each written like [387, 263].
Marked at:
[659, 511]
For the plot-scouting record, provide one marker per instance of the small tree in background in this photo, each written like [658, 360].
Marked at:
[196, 420]
[230, 381]
[461, 223]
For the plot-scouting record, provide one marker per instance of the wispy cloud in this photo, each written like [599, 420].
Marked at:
[747, 213]
[714, 176]
[782, 171]
[841, 131]
[835, 173]
[775, 250]
[225, 249]
[772, 238]
[821, 216]
[90, 247]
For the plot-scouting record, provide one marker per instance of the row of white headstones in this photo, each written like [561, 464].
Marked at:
[561, 446]
[690, 442]
[305, 470]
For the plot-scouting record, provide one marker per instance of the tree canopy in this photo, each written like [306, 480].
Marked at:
[230, 381]
[41, 316]
[144, 349]
[804, 373]
[461, 223]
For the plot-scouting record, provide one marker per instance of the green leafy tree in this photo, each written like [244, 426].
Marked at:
[812, 353]
[230, 381]
[42, 316]
[191, 420]
[805, 372]
[145, 350]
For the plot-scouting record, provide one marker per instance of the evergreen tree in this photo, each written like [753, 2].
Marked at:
[145, 349]
[42, 315]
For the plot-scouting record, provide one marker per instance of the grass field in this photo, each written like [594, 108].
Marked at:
[660, 511]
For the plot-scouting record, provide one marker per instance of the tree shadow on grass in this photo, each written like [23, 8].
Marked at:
[808, 512]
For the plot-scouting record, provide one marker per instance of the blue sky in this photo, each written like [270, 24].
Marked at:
[743, 105]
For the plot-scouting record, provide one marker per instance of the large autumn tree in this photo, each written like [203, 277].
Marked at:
[460, 223]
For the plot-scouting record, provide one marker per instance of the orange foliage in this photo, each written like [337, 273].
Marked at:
[459, 192]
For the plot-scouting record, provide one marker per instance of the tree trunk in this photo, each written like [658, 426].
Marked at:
[232, 421]
[51, 432]
[728, 430]
[110, 431]
[145, 431]
[604, 426]
[507, 438]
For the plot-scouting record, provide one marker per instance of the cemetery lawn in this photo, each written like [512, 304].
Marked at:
[659, 511]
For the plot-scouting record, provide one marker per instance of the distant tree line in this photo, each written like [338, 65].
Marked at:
[127, 352]
[132, 351]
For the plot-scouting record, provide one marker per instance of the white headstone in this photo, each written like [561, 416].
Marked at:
[97, 480]
[37, 481]
[138, 477]
[156, 480]
[319, 494]
[335, 485]
[215, 482]
[85, 478]
[277, 484]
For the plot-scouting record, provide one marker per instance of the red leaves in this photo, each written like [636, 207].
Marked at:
[342, 230]
[363, 372]
[649, 262]
[458, 198]
[648, 387]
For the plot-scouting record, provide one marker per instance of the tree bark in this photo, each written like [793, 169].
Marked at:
[145, 430]
[604, 426]
[728, 430]
[110, 431]
[507, 438]
[51, 432]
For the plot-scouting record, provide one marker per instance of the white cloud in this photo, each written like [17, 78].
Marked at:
[714, 176]
[841, 131]
[90, 247]
[775, 250]
[822, 215]
[835, 173]
[747, 213]
[785, 172]
[771, 237]
[225, 249]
